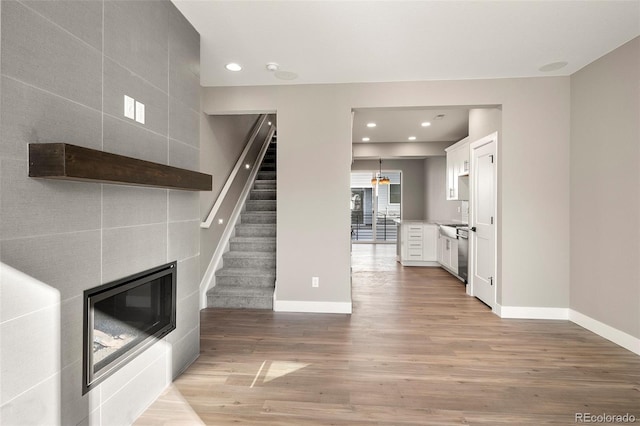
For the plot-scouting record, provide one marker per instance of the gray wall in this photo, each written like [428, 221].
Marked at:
[65, 68]
[533, 269]
[437, 207]
[605, 201]
[412, 183]
[483, 122]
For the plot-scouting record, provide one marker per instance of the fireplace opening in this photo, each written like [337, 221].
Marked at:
[124, 317]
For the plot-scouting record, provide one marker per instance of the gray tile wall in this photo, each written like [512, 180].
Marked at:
[65, 67]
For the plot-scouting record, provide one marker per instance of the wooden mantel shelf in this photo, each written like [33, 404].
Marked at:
[71, 162]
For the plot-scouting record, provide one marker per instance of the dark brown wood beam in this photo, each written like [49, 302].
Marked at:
[71, 162]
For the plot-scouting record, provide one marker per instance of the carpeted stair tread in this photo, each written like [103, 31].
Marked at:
[249, 254]
[235, 272]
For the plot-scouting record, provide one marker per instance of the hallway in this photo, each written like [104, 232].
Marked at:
[417, 350]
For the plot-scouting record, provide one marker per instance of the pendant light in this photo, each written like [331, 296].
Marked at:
[379, 179]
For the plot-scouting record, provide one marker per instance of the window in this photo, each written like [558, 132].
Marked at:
[394, 193]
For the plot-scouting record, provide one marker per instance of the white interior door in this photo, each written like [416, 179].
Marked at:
[483, 219]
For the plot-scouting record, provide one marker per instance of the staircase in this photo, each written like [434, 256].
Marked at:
[247, 278]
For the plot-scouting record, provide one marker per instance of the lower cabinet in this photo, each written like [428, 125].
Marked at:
[448, 253]
[418, 245]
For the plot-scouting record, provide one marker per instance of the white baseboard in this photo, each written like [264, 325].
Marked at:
[420, 263]
[312, 307]
[528, 312]
[616, 336]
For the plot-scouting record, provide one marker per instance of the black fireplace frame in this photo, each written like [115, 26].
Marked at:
[90, 378]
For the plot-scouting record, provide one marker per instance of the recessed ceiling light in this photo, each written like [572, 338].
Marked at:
[426, 124]
[553, 66]
[365, 139]
[232, 66]
[272, 66]
[371, 124]
[412, 138]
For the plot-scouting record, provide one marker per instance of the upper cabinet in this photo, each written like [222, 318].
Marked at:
[458, 170]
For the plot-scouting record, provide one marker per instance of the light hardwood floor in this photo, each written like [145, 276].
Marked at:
[416, 351]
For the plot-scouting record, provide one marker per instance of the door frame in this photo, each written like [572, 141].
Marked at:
[493, 137]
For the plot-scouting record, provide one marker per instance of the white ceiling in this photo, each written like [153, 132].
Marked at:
[374, 41]
[396, 125]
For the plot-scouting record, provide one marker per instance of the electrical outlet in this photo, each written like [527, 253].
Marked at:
[315, 281]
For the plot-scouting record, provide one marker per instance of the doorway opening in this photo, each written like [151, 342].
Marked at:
[375, 207]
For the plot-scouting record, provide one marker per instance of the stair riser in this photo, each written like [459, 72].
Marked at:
[266, 175]
[245, 231]
[263, 195]
[258, 219]
[250, 262]
[264, 185]
[246, 281]
[261, 205]
[253, 246]
[239, 302]
[268, 168]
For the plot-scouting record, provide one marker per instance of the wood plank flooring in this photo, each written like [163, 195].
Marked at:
[416, 351]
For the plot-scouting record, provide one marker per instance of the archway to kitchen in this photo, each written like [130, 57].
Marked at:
[415, 142]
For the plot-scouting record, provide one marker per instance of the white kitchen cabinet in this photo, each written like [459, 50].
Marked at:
[458, 165]
[448, 253]
[418, 243]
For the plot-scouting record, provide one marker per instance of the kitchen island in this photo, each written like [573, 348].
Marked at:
[417, 243]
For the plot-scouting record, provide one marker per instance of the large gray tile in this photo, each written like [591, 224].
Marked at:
[21, 294]
[183, 156]
[187, 317]
[38, 52]
[185, 351]
[32, 207]
[136, 35]
[126, 251]
[71, 332]
[39, 405]
[188, 277]
[69, 263]
[184, 123]
[184, 205]
[184, 44]
[121, 137]
[130, 205]
[30, 115]
[185, 87]
[93, 419]
[76, 406]
[184, 60]
[30, 351]
[115, 383]
[81, 18]
[184, 240]
[119, 81]
[127, 405]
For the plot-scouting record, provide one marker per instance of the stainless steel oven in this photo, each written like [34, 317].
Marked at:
[462, 234]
